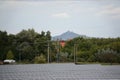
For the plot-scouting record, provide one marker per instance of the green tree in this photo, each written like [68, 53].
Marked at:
[107, 55]
[48, 35]
[10, 55]
[40, 59]
[82, 56]
[3, 44]
[25, 44]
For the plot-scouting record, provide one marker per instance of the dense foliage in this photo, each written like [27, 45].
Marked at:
[10, 55]
[94, 49]
[32, 47]
[40, 59]
[24, 46]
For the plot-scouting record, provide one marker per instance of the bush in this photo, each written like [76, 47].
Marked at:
[40, 59]
[10, 55]
[81, 60]
[91, 59]
[108, 56]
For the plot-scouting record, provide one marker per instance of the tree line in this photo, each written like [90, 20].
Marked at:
[25, 46]
[106, 50]
[28, 46]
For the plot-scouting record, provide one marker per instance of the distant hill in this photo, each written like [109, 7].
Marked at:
[67, 36]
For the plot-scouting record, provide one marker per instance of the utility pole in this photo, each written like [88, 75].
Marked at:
[48, 52]
[58, 51]
[75, 51]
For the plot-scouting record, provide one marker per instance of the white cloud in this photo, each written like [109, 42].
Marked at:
[110, 10]
[115, 16]
[61, 15]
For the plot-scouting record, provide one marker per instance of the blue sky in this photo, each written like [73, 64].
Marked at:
[94, 18]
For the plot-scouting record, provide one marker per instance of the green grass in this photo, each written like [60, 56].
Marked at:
[110, 64]
[86, 63]
[82, 63]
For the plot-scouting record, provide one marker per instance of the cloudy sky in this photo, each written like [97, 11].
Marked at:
[95, 18]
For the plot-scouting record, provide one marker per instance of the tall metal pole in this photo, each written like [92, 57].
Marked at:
[48, 52]
[58, 51]
[74, 53]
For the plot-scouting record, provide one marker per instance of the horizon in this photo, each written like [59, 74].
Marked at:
[63, 33]
[91, 18]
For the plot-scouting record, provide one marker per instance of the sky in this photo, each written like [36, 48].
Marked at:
[93, 18]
